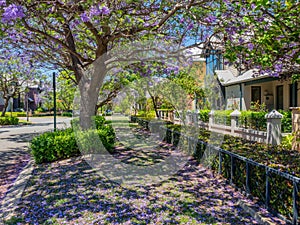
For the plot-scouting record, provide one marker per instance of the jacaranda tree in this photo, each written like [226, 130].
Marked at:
[260, 34]
[77, 34]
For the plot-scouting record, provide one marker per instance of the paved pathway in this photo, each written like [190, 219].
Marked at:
[14, 152]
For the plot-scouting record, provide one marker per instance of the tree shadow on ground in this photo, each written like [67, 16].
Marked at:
[72, 192]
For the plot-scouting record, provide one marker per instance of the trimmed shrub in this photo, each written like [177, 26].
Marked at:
[6, 120]
[223, 117]
[67, 114]
[146, 114]
[253, 120]
[21, 114]
[286, 121]
[61, 144]
[203, 115]
[52, 146]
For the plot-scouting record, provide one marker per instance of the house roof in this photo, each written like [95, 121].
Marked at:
[227, 78]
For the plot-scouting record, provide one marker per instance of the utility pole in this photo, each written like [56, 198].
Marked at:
[54, 99]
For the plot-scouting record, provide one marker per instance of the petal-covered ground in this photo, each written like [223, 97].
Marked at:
[10, 171]
[71, 192]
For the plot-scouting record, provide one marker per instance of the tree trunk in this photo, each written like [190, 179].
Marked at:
[89, 87]
[155, 106]
[5, 106]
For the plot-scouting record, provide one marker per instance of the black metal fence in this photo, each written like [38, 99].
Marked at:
[277, 190]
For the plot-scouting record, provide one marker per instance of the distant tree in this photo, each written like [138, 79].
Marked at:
[15, 74]
[65, 90]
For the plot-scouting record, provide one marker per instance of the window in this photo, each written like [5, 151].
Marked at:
[256, 94]
[279, 97]
[293, 94]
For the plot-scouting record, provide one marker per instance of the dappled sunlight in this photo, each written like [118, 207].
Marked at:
[71, 192]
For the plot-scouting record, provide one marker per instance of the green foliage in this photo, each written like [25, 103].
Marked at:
[67, 114]
[256, 107]
[21, 114]
[189, 82]
[17, 114]
[9, 120]
[253, 120]
[61, 144]
[287, 141]
[40, 109]
[223, 117]
[203, 115]
[52, 146]
[146, 114]
[88, 140]
[286, 121]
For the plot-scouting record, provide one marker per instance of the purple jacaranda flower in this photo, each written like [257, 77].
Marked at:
[155, 23]
[260, 19]
[278, 67]
[275, 74]
[127, 19]
[84, 17]
[210, 19]
[95, 11]
[12, 12]
[181, 20]
[241, 40]
[250, 46]
[190, 26]
[105, 10]
[2, 2]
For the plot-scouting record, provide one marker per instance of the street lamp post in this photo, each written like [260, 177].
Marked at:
[54, 99]
[27, 112]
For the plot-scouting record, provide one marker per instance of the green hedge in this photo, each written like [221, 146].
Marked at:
[249, 119]
[253, 120]
[223, 117]
[6, 120]
[286, 122]
[67, 114]
[52, 146]
[203, 115]
[147, 114]
[276, 157]
[61, 144]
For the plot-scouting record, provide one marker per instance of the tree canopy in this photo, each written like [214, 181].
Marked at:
[77, 34]
[261, 34]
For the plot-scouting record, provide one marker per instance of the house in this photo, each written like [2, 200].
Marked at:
[241, 88]
[33, 97]
[198, 69]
